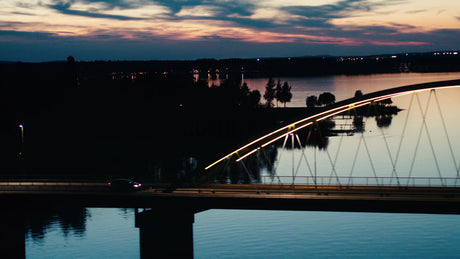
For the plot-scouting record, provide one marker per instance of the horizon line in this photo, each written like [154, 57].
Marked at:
[235, 58]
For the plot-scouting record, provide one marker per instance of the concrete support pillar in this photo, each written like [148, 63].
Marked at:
[165, 234]
[12, 240]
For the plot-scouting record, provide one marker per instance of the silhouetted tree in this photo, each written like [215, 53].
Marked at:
[384, 120]
[311, 101]
[243, 95]
[358, 93]
[358, 123]
[232, 92]
[270, 92]
[284, 95]
[317, 134]
[278, 92]
[70, 60]
[244, 89]
[385, 102]
[254, 98]
[326, 98]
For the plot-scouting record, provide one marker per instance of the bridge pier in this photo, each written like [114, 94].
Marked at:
[165, 234]
[12, 239]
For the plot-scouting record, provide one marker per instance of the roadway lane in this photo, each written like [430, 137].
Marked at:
[322, 198]
[29, 185]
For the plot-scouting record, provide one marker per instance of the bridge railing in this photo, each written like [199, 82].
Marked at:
[363, 181]
[26, 185]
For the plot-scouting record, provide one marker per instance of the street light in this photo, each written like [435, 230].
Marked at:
[21, 152]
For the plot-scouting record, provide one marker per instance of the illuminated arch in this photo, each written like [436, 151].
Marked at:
[332, 110]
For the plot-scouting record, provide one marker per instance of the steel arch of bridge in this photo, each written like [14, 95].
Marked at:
[337, 108]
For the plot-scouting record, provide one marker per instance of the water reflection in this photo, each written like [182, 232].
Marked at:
[247, 172]
[384, 121]
[364, 142]
[273, 234]
[71, 221]
[91, 233]
[19, 224]
[107, 233]
[343, 86]
[262, 165]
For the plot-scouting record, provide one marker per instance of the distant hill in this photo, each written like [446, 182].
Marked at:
[439, 61]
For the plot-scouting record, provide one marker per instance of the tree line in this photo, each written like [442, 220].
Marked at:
[277, 91]
[323, 99]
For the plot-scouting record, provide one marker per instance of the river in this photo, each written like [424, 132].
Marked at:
[111, 233]
[344, 86]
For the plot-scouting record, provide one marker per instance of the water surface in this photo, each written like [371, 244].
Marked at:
[344, 87]
[110, 233]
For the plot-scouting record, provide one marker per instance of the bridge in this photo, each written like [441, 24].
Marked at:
[424, 137]
[312, 176]
[312, 164]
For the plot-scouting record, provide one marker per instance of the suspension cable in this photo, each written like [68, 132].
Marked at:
[431, 143]
[369, 155]
[251, 178]
[329, 157]
[447, 135]
[387, 148]
[340, 142]
[305, 158]
[280, 155]
[418, 140]
[293, 158]
[271, 165]
[401, 140]
[423, 126]
[358, 147]
[314, 156]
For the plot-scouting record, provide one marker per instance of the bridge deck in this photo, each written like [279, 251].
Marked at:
[308, 198]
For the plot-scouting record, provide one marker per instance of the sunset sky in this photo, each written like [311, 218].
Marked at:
[46, 30]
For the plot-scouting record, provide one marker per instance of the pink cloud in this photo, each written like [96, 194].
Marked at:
[399, 43]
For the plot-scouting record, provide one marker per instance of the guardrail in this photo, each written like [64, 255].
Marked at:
[99, 184]
[51, 186]
[57, 178]
[363, 181]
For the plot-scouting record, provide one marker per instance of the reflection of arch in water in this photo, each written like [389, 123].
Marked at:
[328, 112]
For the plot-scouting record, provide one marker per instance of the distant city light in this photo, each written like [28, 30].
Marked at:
[20, 126]
[445, 53]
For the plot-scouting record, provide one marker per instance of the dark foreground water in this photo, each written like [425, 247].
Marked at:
[110, 233]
